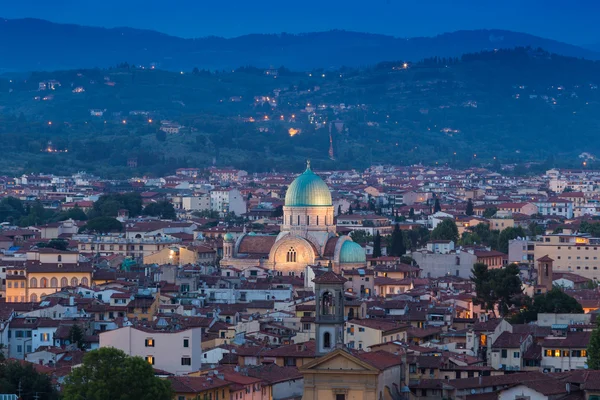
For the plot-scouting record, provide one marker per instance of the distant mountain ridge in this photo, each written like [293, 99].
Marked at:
[33, 44]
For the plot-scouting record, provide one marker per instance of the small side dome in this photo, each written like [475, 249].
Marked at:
[352, 253]
[228, 237]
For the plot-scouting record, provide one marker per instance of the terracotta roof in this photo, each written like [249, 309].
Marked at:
[545, 259]
[329, 277]
[383, 325]
[380, 359]
[257, 244]
[577, 340]
[509, 340]
[330, 246]
[195, 384]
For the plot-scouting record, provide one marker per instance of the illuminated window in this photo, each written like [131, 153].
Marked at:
[150, 342]
[556, 353]
[150, 360]
[548, 353]
[483, 340]
[291, 255]
[583, 353]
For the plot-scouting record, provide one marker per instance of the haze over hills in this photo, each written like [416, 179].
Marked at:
[33, 44]
[509, 106]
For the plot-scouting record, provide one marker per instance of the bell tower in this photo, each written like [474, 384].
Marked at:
[544, 272]
[329, 319]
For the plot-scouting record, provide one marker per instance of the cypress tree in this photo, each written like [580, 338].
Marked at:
[377, 246]
[469, 211]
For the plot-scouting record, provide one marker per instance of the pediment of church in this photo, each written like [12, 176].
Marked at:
[338, 360]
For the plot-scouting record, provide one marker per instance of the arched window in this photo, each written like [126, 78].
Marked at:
[64, 282]
[138, 236]
[317, 220]
[291, 222]
[351, 313]
[34, 298]
[43, 282]
[298, 220]
[327, 340]
[59, 258]
[33, 283]
[308, 220]
[74, 282]
[84, 281]
[53, 282]
[291, 255]
[327, 303]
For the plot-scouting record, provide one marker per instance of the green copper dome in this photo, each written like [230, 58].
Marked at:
[228, 237]
[308, 190]
[352, 252]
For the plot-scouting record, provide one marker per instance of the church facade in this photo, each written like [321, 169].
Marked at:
[307, 235]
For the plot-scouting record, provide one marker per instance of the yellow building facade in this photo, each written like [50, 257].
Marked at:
[45, 271]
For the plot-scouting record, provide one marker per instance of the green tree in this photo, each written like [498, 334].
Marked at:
[76, 336]
[593, 349]
[377, 246]
[500, 287]
[278, 211]
[339, 210]
[445, 230]
[58, 244]
[360, 236]
[162, 209]
[108, 205]
[490, 212]
[102, 225]
[75, 213]
[411, 214]
[469, 210]
[15, 376]
[108, 373]
[397, 247]
[509, 234]
[350, 210]
[436, 206]
[555, 301]
[161, 135]
[11, 210]
[593, 228]
[535, 229]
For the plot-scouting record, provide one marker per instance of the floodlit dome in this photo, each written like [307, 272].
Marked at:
[308, 190]
[228, 237]
[351, 253]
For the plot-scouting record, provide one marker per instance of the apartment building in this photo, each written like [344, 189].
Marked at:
[577, 253]
[363, 333]
[176, 351]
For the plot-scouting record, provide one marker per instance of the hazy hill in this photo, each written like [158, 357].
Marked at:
[32, 44]
[513, 106]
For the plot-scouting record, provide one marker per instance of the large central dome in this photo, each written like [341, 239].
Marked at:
[308, 190]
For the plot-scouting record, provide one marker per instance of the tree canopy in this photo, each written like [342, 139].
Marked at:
[509, 234]
[445, 230]
[162, 209]
[397, 246]
[102, 225]
[108, 205]
[554, 301]
[377, 245]
[593, 349]
[108, 373]
[499, 287]
[469, 210]
[13, 373]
